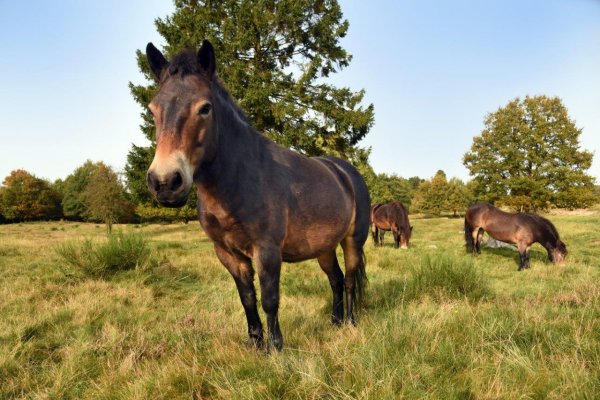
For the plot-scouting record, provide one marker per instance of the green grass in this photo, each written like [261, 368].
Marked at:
[436, 323]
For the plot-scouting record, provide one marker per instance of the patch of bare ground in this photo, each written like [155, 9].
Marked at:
[579, 212]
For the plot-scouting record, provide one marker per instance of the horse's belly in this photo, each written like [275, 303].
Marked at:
[306, 241]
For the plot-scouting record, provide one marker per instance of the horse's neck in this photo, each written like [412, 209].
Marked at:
[238, 145]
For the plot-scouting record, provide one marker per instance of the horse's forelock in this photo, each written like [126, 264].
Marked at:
[185, 63]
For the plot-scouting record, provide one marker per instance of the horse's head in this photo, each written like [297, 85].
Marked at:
[183, 116]
[405, 237]
[559, 253]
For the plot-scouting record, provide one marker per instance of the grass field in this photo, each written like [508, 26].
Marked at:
[437, 323]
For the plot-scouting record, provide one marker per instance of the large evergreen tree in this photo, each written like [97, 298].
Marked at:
[274, 57]
[528, 157]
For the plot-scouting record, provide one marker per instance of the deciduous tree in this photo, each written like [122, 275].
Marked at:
[104, 197]
[25, 197]
[528, 157]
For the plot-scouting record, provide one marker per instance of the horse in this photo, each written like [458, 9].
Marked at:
[521, 229]
[390, 217]
[259, 203]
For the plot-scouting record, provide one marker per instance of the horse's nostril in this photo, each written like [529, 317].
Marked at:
[175, 181]
[152, 181]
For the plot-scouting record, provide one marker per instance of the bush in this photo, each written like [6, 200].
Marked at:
[149, 213]
[449, 276]
[120, 252]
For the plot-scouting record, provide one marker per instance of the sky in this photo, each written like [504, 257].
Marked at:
[432, 69]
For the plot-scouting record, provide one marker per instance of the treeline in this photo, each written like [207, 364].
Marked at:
[94, 192]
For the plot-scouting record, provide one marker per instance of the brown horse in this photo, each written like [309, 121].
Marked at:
[257, 201]
[390, 217]
[522, 229]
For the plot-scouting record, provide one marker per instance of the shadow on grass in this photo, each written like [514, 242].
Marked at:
[534, 254]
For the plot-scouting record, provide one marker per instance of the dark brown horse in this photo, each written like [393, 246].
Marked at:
[522, 229]
[390, 217]
[257, 201]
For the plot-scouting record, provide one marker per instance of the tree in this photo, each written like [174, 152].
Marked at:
[528, 157]
[24, 197]
[431, 196]
[274, 56]
[385, 188]
[73, 187]
[458, 197]
[104, 197]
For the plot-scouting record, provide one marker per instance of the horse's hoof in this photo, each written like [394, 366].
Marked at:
[254, 343]
[276, 345]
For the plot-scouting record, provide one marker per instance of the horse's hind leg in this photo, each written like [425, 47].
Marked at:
[329, 264]
[478, 236]
[243, 275]
[381, 234]
[374, 233]
[355, 274]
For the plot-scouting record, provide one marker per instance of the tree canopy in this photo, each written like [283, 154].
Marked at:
[74, 185]
[438, 194]
[528, 157]
[25, 197]
[104, 197]
[274, 57]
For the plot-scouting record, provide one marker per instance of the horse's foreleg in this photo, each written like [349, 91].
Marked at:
[522, 260]
[396, 234]
[524, 256]
[329, 264]
[268, 260]
[243, 274]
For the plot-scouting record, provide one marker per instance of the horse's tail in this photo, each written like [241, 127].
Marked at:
[360, 279]
[469, 243]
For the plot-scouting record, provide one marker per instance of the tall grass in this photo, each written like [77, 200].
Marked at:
[438, 324]
[448, 276]
[119, 252]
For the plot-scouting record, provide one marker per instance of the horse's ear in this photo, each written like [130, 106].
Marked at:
[156, 60]
[411, 228]
[206, 58]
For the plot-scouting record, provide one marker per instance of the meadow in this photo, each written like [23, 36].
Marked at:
[436, 322]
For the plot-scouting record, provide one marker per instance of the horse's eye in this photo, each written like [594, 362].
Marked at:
[205, 110]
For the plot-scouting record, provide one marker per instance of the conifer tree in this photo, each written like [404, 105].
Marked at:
[274, 57]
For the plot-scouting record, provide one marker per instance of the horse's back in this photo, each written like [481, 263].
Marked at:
[361, 198]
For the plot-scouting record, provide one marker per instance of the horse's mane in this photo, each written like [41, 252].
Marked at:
[546, 223]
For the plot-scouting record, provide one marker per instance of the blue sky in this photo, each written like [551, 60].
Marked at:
[433, 70]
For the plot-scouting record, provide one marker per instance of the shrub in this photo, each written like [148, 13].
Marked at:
[120, 252]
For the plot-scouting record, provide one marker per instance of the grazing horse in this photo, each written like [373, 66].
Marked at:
[522, 229]
[258, 202]
[390, 217]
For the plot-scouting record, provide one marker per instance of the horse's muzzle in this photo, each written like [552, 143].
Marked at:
[170, 190]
